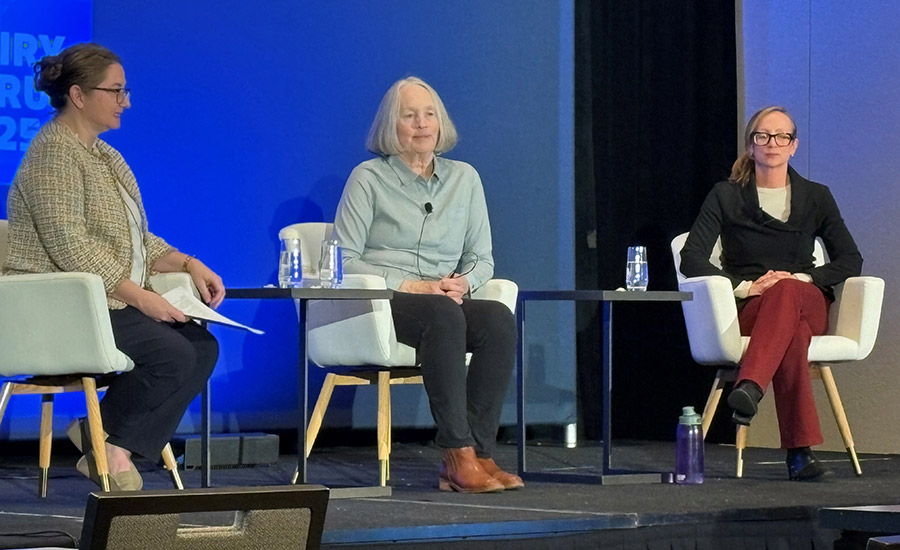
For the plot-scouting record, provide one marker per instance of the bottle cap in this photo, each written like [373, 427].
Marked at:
[689, 417]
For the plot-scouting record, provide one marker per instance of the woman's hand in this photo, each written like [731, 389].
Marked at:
[455, 287]
[766, 282]
[210, 285]
[147, 302]
[421, 287]
[426, 287]
[452, 287]
[158, 308]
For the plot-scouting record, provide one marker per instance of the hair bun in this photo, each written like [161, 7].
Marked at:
[82, 65]
[47, 70]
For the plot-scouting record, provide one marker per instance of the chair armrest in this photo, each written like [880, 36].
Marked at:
[711, 319]
[164, 282]
[856, 311]
[355, 332]
[56, 323]
[500, 290]
[361, 332]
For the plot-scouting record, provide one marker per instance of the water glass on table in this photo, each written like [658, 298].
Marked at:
[636, 268]
[290, 266]
[331, 269]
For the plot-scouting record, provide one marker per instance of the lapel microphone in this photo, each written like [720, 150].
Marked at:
[428, 210]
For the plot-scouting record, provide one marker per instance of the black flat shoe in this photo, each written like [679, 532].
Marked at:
[806, 467]
[744, 399]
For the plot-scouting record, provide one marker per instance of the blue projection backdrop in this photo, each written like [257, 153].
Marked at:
[249, 116]
[29, 30]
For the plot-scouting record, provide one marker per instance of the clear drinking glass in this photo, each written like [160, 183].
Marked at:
[636, 268]
[331, 269]
[290, 267]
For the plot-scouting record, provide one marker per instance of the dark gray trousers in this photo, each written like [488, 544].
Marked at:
[466, 402]
[172, 362]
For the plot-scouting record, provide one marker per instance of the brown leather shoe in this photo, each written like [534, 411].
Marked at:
[509, 481]
[461, 472]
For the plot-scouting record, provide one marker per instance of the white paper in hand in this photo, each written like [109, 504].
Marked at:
[188, 304]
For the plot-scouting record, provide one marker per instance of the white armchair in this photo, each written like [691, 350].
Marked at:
[715, 338]
[56, 337]
[355, 340]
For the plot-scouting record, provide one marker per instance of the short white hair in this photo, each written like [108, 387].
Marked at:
[382, 139]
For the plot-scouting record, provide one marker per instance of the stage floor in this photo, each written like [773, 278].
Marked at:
[418, 513]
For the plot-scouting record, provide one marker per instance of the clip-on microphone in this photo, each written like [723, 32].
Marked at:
[428, 210]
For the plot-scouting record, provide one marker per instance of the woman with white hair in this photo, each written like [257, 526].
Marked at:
[420, 221]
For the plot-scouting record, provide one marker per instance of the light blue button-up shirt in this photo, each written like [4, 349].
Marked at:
[380, 217]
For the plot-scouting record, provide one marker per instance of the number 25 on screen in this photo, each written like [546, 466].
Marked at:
[28, 128]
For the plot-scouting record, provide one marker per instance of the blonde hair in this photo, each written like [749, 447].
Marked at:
[744, 166]
[382, 139]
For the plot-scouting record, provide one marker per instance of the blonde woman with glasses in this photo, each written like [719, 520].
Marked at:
[768, 217]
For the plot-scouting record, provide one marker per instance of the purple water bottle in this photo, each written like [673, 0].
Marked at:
[689, 448]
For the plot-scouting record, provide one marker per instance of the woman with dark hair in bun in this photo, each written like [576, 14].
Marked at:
[74, 206]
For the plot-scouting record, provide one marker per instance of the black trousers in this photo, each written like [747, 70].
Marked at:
[466, 402]
[142, 407]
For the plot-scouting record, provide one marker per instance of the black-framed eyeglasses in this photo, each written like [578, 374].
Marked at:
[763, 138]
[122, 94]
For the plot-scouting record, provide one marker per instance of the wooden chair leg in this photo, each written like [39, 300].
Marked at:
[712, 402]
[390, 441]
[384, 423]
[45, 442]
[95, 425]
[837, 407]
[740, 443]
[171, 464]
[318, 414]
[5, 392]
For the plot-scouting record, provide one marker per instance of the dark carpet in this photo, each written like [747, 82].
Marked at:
[417, 513]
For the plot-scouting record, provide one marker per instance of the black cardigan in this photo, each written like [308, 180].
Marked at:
[754, 242]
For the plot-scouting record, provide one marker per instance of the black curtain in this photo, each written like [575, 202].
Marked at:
[656, 127]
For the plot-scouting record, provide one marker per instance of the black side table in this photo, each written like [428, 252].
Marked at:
[303, 296]
[608, 474]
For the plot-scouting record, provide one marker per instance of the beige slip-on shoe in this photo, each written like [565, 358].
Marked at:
[129, 480]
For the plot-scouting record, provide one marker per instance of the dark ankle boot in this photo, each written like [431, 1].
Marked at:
[461, 472]
[509, 481]
[744, 399]
[804, 466]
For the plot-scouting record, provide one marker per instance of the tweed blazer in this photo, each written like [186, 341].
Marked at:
[66, 212]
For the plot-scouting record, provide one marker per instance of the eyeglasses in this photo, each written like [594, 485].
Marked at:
[122, 94]
[763, 138]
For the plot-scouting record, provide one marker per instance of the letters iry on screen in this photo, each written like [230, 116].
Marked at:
[30, 30]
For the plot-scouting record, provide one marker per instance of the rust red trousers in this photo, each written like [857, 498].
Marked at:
[781, 322]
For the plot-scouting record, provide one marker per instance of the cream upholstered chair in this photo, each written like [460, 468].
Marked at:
[715, 336]
[355, 340]
[55, 337]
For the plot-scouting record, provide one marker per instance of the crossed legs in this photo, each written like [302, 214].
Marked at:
[781, 324]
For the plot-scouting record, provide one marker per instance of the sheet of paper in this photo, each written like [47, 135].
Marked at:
[188, 304]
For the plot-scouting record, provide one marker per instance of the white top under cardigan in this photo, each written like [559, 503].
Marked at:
[776, 203]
